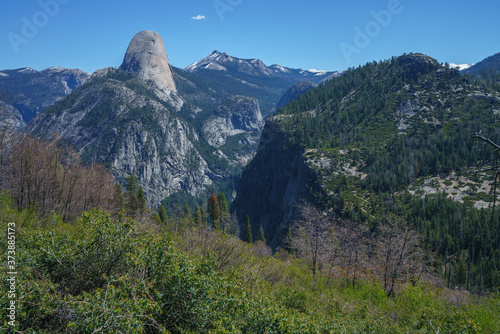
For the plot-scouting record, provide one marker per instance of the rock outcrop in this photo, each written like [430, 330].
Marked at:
[129, 119]
[147, 57]
[10, 119]
[236, 115]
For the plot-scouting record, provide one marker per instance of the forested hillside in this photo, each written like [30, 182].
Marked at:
[389, 138]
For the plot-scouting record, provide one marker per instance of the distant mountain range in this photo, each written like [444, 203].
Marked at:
[252, 77]
[30, 91]
[218, 61]
[181, 131]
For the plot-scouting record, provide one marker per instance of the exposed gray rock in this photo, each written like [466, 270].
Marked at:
[10, 119]
[147, 57]
[132, 134]
[237, 115]
[223, 62]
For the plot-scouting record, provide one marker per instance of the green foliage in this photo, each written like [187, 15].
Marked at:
[162, 213]
[104, 275]
[362, 120]
[261, 236]
[135, 198]
[247, 233]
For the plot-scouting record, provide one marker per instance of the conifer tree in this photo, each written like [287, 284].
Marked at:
[197, 217]
[203, 217]
[186, 212]
[162, 212]
[261, 236]
[141, 199]
[135, 197]
[224, 212]
[119, 198]
[247, 234]
[461, 271]
[214, 210]
[223, 204]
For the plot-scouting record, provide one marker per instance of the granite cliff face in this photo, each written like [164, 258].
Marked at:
[131, 133]
[236, 115]
[171, 129]
[147, 57]
[10, 119]
[272, 184]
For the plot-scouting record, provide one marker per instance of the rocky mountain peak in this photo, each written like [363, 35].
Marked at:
[146, 56]
[418, 62]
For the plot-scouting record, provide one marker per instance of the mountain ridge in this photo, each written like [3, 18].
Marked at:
[340, 130]
[187, 140]
[31, 91]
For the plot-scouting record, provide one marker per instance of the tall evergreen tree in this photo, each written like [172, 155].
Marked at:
[162, 212]
[119, 197]
[141, 199]
[186, 211]
[261, 236]
[214, 210]
[223, 204]
[135, 199]
[224, 212]
[197, 217]
[203, 217]
[247, 234]
[461, 271]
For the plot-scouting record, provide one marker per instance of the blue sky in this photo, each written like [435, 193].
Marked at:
[320, 34]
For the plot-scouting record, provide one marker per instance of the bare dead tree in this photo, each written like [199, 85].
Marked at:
[51, 176]
[352, 255]
[399, 255]
[495, 168]
[313, 236]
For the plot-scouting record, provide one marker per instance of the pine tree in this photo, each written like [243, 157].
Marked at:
[247, 234]
[203, 217]
[135, 199]
[223, 204]
[141, 200]
[461, 270]
[261, 235]
[162, 212]
[197, 217]
[213, 210]
[119, 198]
[224, 212]
[186, 212]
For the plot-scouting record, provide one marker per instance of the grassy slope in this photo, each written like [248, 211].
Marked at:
[103, 274]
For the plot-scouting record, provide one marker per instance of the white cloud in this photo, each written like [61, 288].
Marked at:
[198, 18]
